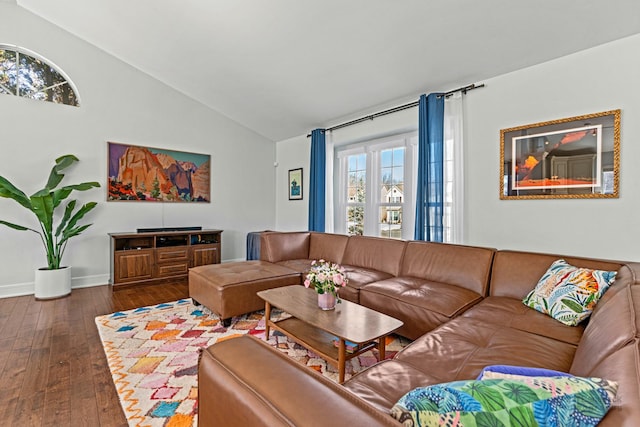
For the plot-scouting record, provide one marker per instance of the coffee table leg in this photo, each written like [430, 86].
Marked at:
[267, 319]
[382, 344]
[342, 355]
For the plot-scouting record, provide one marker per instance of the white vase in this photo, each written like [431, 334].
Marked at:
[51, 284]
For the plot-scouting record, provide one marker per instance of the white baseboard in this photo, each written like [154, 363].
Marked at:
[19, 289]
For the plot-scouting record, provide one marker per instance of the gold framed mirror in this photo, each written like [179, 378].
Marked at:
[572, 158]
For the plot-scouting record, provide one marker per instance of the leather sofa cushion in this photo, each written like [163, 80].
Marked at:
[329, 247]
[462, 347]
[622, 366]
[280, 246]
[513, 313]
[422, 305]
[463, 266]
[457, 350]
[302, 266]
[374, 253]
[259, 386]
[382, 385]
[515, 274]
[613, 324]
[358, 278]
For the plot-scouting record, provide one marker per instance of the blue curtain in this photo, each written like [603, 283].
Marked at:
[317, 180]
[430, 194]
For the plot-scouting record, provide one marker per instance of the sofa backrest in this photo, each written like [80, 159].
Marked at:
[327, 246]
[610, 349]
[614, 324]
[515, 274]
[464, 266]
[281, 246]
[374, 253]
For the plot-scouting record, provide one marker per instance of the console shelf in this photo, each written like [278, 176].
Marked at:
[149, 257]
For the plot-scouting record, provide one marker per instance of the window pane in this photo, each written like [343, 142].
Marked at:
[7, 71]
[398, 175]
[386, 158]
[391, 191]
[398, 155]
[357, 178]
[390, 222]
[353, 163]
[355, 220]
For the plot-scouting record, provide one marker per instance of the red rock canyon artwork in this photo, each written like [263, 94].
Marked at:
[158, 175]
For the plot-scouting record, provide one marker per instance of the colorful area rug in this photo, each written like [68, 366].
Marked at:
[153, 357]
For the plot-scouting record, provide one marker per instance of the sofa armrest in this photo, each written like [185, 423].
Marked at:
[245, 382]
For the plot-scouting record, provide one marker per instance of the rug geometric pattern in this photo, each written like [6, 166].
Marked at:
[153, 352]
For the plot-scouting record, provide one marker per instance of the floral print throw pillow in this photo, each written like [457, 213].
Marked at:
[568, 293]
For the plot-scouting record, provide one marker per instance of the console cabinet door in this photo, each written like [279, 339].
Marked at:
[205, 254]
[134, 265]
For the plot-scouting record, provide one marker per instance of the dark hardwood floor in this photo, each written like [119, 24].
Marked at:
[53, 371]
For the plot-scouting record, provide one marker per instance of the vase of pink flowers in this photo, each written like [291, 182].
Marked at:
[326, 278]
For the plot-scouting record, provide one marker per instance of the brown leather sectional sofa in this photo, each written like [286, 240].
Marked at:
[463, 308]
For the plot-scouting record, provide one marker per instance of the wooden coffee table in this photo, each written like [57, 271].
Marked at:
[316, 329]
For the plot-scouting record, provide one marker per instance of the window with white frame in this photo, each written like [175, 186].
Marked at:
[375, 194]
[28, 75]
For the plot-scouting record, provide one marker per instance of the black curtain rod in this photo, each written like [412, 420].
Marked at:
[463, 89]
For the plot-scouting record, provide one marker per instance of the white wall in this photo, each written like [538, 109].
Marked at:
[598, 79]
[120, 104]
[294, 153]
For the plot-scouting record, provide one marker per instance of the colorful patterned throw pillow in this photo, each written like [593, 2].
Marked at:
[532, 401]
[568, 293]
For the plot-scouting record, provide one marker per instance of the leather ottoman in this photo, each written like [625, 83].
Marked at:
[229, 289]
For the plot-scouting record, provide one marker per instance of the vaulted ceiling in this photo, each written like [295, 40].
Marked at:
[284, 67]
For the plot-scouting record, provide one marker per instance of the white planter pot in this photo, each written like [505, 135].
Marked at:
[53, 283]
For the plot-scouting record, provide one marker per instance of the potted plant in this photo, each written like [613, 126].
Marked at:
[54, 280]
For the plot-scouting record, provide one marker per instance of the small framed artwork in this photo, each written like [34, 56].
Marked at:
[575, 157]
[295, 184]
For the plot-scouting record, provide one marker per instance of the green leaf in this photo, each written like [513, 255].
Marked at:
[425, 405]
[65, 218]
[61, 163]
[519, 393]
[590, 403]
[10, 191]
[522, 416]
[62, 193]
[43, 208]
[574, 306]
[487, 419]
[17, 227]
[69, 233]
[490, 398]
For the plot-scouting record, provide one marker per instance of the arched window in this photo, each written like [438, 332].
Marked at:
[27, 74]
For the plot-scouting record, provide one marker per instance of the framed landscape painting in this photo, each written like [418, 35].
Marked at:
[148, 174]
[576, 157]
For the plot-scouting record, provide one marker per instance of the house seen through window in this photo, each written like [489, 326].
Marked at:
[26, 74]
